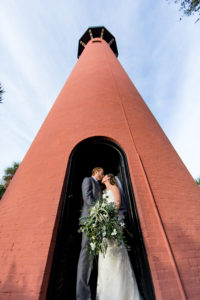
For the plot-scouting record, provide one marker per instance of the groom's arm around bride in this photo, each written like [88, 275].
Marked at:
[90, 193]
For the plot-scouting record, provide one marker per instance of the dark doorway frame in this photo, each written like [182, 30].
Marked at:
[67, 247]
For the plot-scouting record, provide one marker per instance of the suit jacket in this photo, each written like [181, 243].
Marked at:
[91, 192]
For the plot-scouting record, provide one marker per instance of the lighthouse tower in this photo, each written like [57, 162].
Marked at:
[99, 119]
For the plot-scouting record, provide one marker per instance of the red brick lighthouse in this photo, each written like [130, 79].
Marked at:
[99, 119]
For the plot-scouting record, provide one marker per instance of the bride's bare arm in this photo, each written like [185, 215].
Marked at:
[117, 196]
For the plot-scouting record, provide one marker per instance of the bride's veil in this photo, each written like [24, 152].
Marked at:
[123, 197]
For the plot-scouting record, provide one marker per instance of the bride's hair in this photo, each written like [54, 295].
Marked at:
[113, 180]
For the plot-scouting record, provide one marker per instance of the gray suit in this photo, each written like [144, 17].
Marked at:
[90, 192]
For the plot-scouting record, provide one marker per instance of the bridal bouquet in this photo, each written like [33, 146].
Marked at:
[102, 224]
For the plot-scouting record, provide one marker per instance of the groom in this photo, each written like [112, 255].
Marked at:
[91, 191]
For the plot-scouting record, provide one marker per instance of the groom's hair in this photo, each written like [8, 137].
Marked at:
[96, 169]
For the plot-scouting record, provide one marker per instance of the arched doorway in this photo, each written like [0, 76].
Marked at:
[92, 152]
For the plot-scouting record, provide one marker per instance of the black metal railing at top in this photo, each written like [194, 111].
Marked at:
[97, 32]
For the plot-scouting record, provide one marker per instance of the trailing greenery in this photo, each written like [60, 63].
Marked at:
[2, 190]
[7, 177]
[9, 173]
[198, 181]
[1, 93]
[102, 225]
[189, 7]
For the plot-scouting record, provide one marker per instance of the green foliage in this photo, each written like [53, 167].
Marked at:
[7, 177]
[1, 93]
[198, 181]
[9, 173]
[102, 226]
[2, 190]
[189, 7]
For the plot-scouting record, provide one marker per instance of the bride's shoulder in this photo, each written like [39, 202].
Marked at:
[115, 188]
[115, 191]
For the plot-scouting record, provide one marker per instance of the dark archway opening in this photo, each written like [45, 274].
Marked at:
[92, 152]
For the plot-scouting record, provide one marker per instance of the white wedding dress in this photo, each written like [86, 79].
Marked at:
[116, 279]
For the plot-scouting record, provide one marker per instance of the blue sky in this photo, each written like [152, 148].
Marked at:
[38, 50]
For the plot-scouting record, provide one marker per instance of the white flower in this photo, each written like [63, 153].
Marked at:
[114, 232]
[92, 245]
[92, 211]
[122, 224]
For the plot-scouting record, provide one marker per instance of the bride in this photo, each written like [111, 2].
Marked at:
[116, 279]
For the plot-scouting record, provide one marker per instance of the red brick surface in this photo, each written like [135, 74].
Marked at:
[99, 99]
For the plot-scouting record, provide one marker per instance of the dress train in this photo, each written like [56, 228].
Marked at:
[116, 279]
